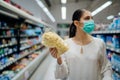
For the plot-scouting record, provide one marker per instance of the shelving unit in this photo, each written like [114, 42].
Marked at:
[15, 17]
[30, 69]
[23, 48]
[112, 50]
[116, 72]
[8, 36]
[16, 13]
[28, 35]
[7, 45]
[22, 56]
[107, 32]
[6, 54]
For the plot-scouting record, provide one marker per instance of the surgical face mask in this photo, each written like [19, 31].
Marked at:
[88, 26]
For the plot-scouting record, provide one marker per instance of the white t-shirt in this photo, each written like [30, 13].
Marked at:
[92, 64]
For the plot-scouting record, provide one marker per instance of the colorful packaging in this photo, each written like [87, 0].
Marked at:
[116, 76]
[109, 41]
[116, 41]
[115, 60]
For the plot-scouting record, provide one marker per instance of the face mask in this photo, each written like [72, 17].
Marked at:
[88, 26]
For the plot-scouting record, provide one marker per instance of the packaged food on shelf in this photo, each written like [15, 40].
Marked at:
[1, 51]
[115, 60]
[109, 41]
[116, 76]
[8, 1]
[116, 41]
[115, 25]
[30, 32]
[109, 54]
[51, 39]
[15, 68]
[101, 27]
[3, 25]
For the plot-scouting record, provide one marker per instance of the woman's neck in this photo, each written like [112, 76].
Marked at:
[82, 38]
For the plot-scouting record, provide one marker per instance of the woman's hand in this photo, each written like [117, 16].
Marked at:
[54, 53]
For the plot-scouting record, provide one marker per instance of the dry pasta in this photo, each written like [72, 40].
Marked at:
[51, 39]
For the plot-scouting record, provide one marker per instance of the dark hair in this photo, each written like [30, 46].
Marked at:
[76, 16]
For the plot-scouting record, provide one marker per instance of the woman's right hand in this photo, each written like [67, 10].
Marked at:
[54, 53]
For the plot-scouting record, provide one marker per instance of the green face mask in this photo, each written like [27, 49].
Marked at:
[88, 26]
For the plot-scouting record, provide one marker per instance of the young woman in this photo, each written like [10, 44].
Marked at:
[86, 57]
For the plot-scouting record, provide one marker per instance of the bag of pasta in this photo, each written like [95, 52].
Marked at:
[51, 39]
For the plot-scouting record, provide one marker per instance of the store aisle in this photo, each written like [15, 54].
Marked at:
[45, 70]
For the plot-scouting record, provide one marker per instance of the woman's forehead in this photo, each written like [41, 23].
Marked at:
[87, 13]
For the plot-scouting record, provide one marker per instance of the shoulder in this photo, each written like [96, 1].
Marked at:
[100, 42]
[68, 40]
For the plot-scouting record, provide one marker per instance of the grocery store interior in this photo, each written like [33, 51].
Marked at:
[23, 56]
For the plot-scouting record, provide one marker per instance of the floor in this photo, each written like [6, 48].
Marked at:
[46, 70]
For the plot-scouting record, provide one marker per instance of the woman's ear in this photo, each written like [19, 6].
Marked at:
[76, 23]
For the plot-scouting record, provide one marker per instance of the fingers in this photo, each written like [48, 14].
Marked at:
[53, 52]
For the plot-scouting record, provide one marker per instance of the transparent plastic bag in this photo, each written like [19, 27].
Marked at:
[51, 39]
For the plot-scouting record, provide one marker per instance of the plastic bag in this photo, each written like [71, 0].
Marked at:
[51, 40]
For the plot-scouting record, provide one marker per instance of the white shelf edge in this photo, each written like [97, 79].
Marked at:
[22, 48]
[113, 49]
[21, 73]
[103, 32]
[22, 13]
[6, 45]
[8, 14]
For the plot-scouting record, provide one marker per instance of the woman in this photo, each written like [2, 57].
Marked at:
[86, 57]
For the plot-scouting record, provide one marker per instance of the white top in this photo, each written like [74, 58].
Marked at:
[92, 64]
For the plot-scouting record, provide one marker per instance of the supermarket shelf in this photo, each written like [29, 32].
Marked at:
[21, 42]
[29, 70]
[23, 48]
[63, 29]
[28, 36]
[8, 36]
[7, 45]
[7, 54]
[116, 71]
[11, 62]
[6, 28]
[107, 32]
[8, 14]
[113, 49]
[13, 10]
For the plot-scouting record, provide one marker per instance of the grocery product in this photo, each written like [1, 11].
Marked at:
[116, 41]
[51, 39]
[109, 41]
[115, 60]
[115, 25]
[116, 76]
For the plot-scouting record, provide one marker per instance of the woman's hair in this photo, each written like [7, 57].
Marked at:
[76, 16]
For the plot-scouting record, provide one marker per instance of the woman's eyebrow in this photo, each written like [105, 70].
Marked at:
[87, 16]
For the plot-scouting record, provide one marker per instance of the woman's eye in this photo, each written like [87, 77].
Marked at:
[86, 18]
